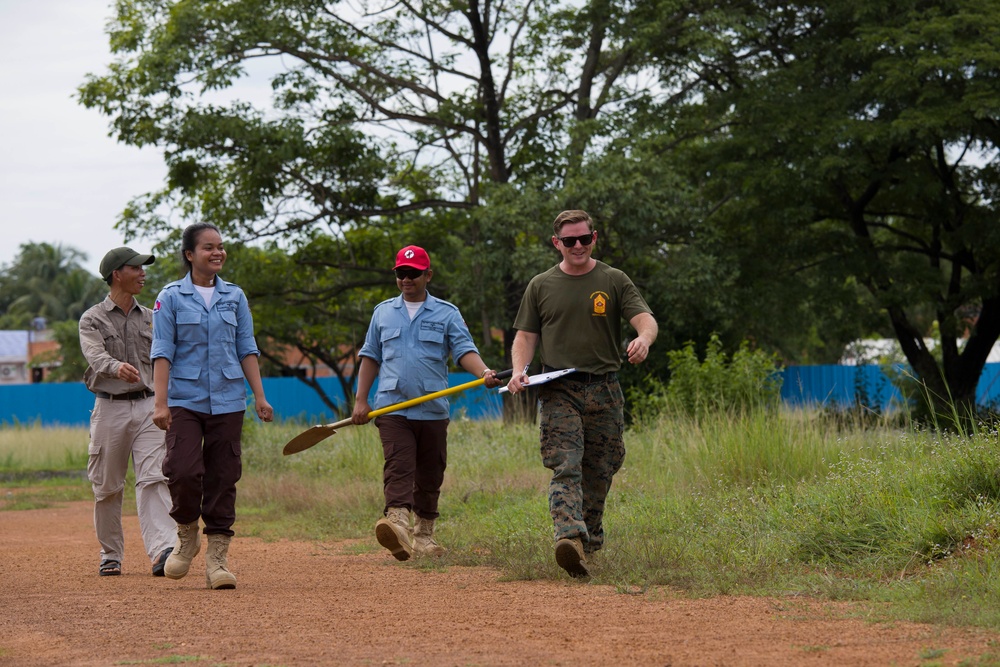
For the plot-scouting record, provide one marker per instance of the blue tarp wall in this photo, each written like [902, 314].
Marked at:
[838, 386]
[69, 403]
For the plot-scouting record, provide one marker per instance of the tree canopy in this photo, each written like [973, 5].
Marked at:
[47, 281]
[463, 127]
[855, 143]
[794, 173]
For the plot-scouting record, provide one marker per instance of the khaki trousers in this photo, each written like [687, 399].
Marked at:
[120, 429]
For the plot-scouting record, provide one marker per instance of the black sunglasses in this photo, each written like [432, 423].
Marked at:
[570, 241]
[406, 272]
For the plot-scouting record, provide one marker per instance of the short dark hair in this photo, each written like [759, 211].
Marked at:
[569, 217]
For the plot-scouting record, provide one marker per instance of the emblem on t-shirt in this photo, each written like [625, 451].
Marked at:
[600, 301]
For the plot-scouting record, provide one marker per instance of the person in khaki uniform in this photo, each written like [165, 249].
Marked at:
[116, 336]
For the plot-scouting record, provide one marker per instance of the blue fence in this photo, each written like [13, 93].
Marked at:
[69, 403]
[838, 386]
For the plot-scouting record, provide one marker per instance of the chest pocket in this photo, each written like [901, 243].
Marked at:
[228, 329]
[146, 332]
[432, 342]
[189, 326]
[392, 344]
[113, 342]
[146, 338]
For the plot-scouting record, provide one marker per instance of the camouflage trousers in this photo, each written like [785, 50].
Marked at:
[581, 443]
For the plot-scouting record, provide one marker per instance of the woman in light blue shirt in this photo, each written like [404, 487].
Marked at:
[203, 349]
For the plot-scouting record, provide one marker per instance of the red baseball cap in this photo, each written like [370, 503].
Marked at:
[414, 256]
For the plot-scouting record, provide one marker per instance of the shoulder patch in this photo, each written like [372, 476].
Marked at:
[156, 306]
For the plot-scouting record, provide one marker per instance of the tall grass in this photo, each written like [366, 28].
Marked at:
[29, 447]
[757, 501]
[754, 501]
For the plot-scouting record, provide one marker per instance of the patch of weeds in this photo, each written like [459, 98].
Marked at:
[42, 496]
[660, 594]
[985, 660]
[932, 653]
[815, 649]
[432, 564]
[358, 548]
[23, 503]
[631, 589]
[165, 660]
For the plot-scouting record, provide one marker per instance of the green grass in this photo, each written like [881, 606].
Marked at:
[32, 448]
[761, 503]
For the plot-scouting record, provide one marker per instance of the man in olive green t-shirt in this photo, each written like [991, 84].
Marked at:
[573, 314]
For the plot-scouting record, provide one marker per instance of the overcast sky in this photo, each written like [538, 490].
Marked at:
[62, 179]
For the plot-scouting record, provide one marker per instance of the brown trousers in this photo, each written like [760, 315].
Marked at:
[202, 466]
[416, 455]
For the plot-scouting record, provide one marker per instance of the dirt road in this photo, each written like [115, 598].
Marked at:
[305, 603]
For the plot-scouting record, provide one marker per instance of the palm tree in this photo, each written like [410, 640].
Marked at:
[47, 281]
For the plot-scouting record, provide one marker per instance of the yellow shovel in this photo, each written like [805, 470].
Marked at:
[311, 436]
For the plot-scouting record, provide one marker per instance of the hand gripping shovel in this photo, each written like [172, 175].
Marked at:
[311, 436]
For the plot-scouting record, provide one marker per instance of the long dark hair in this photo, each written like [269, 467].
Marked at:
[190, 239]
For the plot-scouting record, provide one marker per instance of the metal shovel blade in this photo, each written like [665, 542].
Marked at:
[311, 436]
[542, 378]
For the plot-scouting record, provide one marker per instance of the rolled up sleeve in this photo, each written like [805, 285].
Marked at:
[92, 346]
[245, 341]
[164, 330]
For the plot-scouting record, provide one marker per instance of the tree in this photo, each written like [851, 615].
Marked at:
[46, 281]
[855, 142]
[66, 364]
[463, 126]
[314, 301]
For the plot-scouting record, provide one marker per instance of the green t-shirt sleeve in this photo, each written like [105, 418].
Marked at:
[632, 301]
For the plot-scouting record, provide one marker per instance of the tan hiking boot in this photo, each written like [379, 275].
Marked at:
[217, 574]
[570, 557]
[423, 538]
[188, 546]
[393, 532]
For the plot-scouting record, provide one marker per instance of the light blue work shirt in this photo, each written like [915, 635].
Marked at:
[204, 345]
[413, 354]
